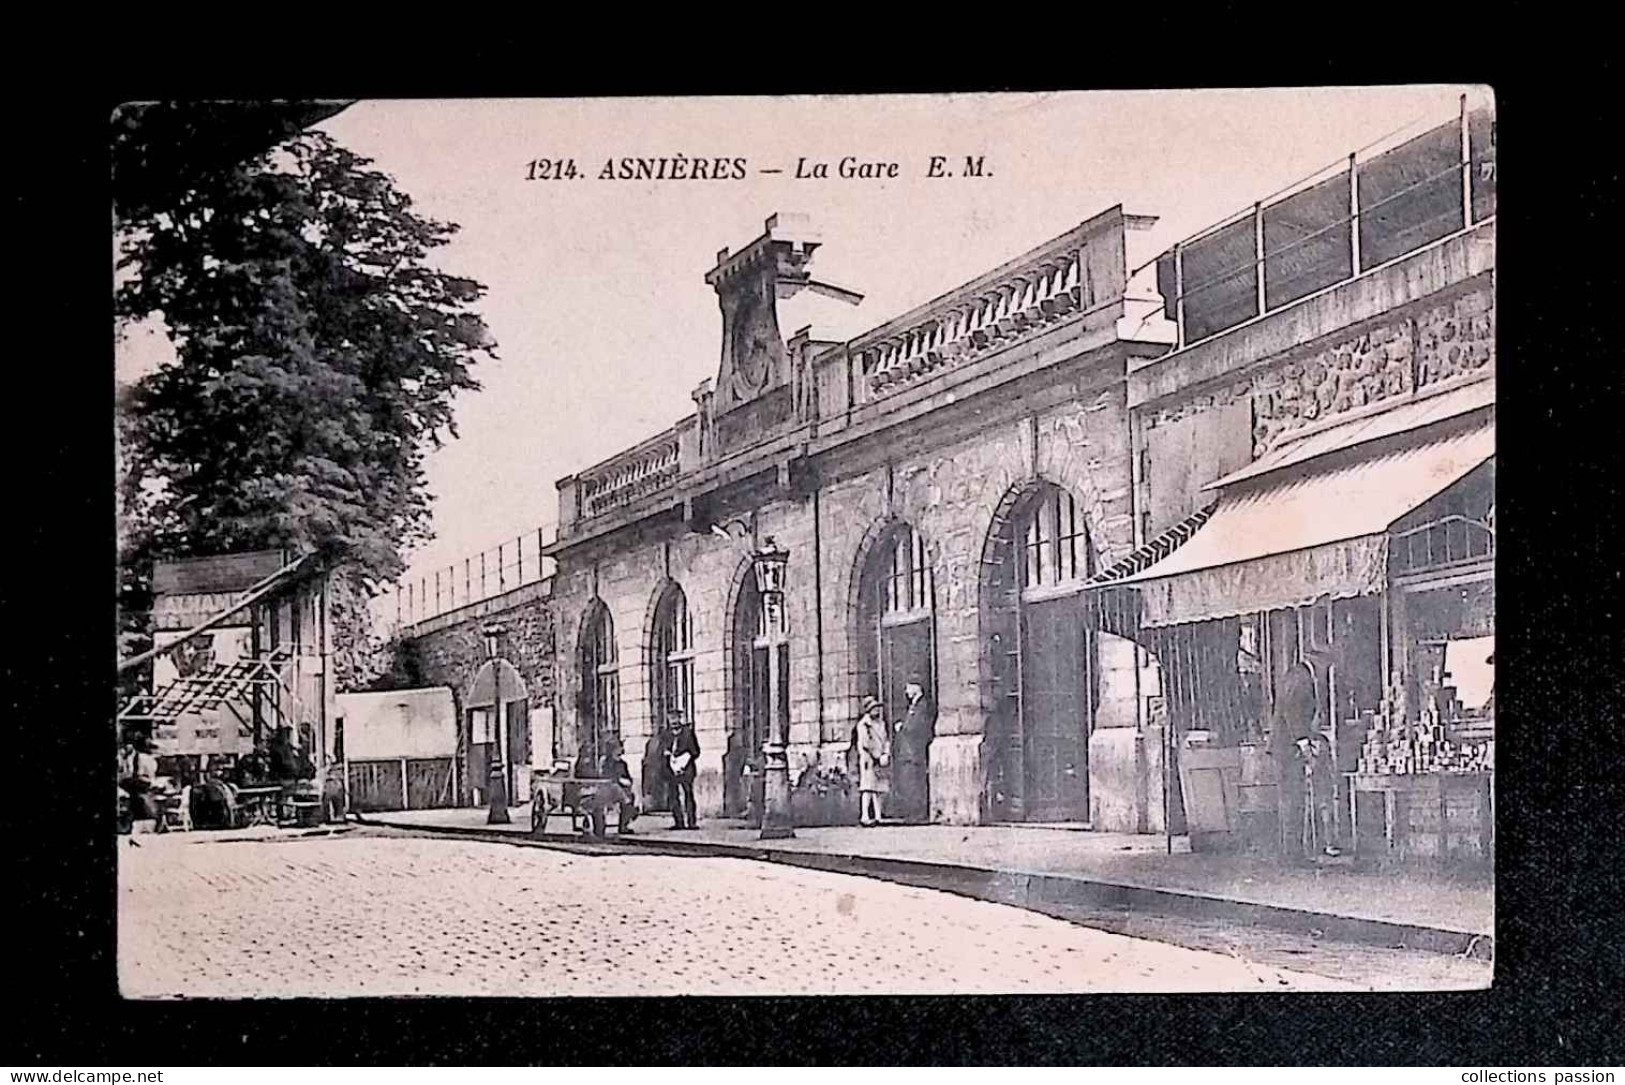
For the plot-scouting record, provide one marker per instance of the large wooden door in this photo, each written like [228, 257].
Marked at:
[1055, 710]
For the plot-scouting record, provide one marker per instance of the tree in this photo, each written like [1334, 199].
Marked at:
[318, 354]
[161, 150]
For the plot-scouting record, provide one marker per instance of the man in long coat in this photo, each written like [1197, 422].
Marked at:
[911, 750]
[1297, 708]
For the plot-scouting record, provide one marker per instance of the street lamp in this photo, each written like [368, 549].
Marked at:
[497, 783]
[769, 563]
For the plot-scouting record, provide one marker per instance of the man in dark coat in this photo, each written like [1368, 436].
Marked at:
[682, 757]
[622, 792]
[911, 750]
[655, 778]
[587, 799]
[1297, 707]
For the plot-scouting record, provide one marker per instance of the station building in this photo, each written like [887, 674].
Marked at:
[1092, 495]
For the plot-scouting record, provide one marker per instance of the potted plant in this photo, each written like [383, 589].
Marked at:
[825, 795]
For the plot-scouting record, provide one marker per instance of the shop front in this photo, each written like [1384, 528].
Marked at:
[1324, 643]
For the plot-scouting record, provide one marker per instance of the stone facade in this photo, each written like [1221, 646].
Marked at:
[949, 494]
[946, 420]
[1030, 392]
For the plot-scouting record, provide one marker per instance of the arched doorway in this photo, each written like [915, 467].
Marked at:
[751, 718]
[600, 718]
[671, 681]
[496, 715]
[1041, 642]
[896, 645]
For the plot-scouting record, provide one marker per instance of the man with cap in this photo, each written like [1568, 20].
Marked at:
[874, 756]
[682, 755]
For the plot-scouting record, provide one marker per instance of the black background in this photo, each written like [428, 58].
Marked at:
[1559, 882]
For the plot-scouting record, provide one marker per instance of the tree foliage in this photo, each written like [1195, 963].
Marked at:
[318, 352]
[163, 149]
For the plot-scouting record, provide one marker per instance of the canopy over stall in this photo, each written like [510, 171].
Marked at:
[1309, 530]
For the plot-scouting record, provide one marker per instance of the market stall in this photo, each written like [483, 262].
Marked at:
[1327, 633]
[1424, 782]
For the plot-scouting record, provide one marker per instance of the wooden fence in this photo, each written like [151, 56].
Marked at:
[402, 783]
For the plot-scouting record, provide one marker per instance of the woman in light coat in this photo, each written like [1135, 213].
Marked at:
[874, 757]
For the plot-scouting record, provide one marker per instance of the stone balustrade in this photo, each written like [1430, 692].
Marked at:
[1050, 286]
[631, 475]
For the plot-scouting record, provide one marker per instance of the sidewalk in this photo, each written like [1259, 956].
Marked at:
[1030, 865]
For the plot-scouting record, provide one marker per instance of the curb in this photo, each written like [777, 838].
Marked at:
[1049, 894]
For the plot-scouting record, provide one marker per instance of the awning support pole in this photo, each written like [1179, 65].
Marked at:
[1167, 774]
[1382, 628]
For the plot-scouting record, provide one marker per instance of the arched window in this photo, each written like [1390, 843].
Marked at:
[673, 658]
[1056, 549]
[600, 680]
[908, 582]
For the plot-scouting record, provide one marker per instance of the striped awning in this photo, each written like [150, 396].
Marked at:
[1313, 532]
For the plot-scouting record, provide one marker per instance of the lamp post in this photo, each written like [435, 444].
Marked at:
[769, 563]
[497, 784]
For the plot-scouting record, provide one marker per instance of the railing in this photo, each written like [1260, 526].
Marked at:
[1326, 230]
[508, 565]
[1028, 301]
[629, 476]
[1060, 279]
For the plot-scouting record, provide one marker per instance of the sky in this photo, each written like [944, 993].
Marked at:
[596, 294]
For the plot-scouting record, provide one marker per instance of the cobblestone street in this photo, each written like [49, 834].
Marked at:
[366, 914]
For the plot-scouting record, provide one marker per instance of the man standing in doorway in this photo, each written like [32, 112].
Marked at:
[910, 753]
[681, 756]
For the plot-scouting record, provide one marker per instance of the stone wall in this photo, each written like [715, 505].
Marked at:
[1386, 361]
[450, 655]
[1456, 337]
[452, 649]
